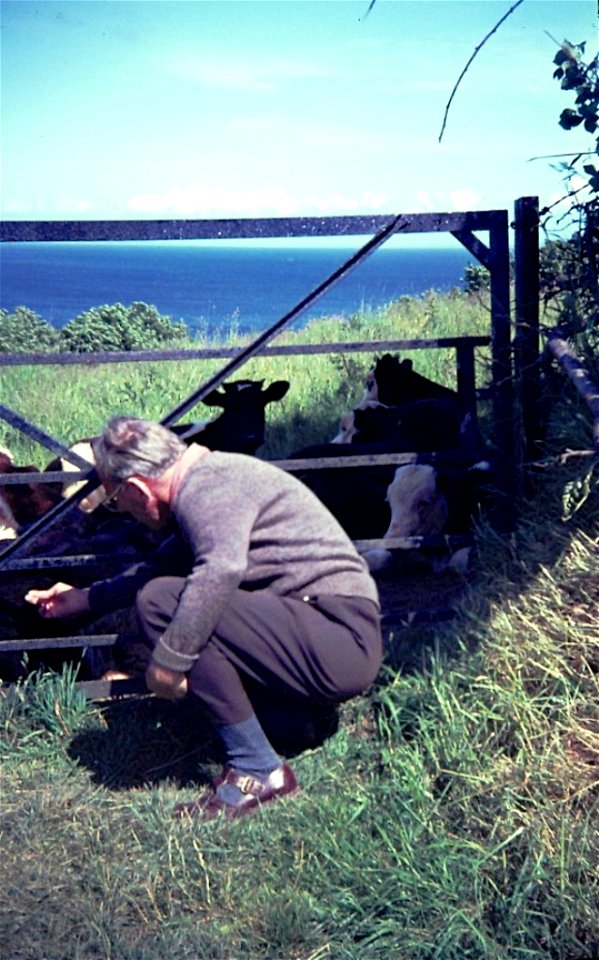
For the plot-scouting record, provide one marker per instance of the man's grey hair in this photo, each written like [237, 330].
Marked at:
[131, 447]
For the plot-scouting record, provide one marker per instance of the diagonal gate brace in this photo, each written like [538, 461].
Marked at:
[237, 361]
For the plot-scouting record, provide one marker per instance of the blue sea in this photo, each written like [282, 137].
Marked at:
[214, 287]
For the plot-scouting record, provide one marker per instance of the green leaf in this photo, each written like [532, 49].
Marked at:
[594, 182]
[569, 118]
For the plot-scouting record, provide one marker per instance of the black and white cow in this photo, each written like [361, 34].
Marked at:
[393, 381]
[428, 501]
[432, 424]
[354, 495]
[240, 427]
[359, 496]
[402, 412]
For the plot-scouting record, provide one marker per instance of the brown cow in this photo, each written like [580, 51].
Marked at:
[21, 503]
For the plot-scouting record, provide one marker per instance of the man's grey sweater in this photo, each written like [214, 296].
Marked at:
[245, 524]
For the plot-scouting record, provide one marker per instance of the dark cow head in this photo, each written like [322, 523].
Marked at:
[240, 427]
[397, 382]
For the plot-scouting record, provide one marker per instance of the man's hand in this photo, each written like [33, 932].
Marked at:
[168, 684]
[61, 600]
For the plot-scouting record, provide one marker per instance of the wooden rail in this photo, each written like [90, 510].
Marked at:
[223, 353]
[34, 231]
[578, 376]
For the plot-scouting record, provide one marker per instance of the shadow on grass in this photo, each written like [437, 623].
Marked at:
[148, 741]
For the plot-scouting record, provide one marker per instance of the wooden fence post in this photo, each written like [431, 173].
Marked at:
[504, 512]
[526, 340]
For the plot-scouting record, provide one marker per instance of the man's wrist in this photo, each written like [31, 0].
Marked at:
[164, 656]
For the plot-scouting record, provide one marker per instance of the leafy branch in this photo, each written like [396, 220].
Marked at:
[583, 79]
[570, 268]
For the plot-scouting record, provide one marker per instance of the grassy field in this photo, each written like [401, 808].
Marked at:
[79, 401]
[454, 813]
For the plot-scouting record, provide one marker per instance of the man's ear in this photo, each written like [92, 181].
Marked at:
[141, 486]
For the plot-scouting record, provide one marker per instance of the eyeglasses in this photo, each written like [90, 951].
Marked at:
[112, 502]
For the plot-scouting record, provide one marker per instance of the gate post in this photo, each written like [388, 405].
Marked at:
[504, 511]
[526, 341]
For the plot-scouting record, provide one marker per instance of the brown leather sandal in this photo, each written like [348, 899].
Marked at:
[255, 793]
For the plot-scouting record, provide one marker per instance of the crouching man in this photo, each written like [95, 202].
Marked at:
[258, 589]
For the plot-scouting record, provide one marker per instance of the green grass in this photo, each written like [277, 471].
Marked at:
[452, 816]
[79, 401]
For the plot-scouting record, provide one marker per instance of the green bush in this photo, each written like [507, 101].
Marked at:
[24, 331]
[476, 278]
[569, 280]
[570, 268]
[115, 327]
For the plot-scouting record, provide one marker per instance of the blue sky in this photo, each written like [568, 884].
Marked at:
[194, 108]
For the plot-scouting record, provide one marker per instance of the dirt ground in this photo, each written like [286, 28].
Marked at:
[420, 596]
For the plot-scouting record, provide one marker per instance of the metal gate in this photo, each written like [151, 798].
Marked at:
[514, 349]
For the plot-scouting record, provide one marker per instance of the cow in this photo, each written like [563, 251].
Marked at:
[359, 496]
[433, 424]
[20, 503]
[418, 508]
[393, 381]
[417, 501]
[240, 427]
[425, 501]
[82, 449]
[354, 495]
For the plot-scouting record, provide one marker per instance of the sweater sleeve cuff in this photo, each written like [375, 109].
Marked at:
[172, 659]
[98, 598]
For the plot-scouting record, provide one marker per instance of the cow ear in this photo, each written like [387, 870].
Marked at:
[214, 399]
[276, 391]
[406, 364]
